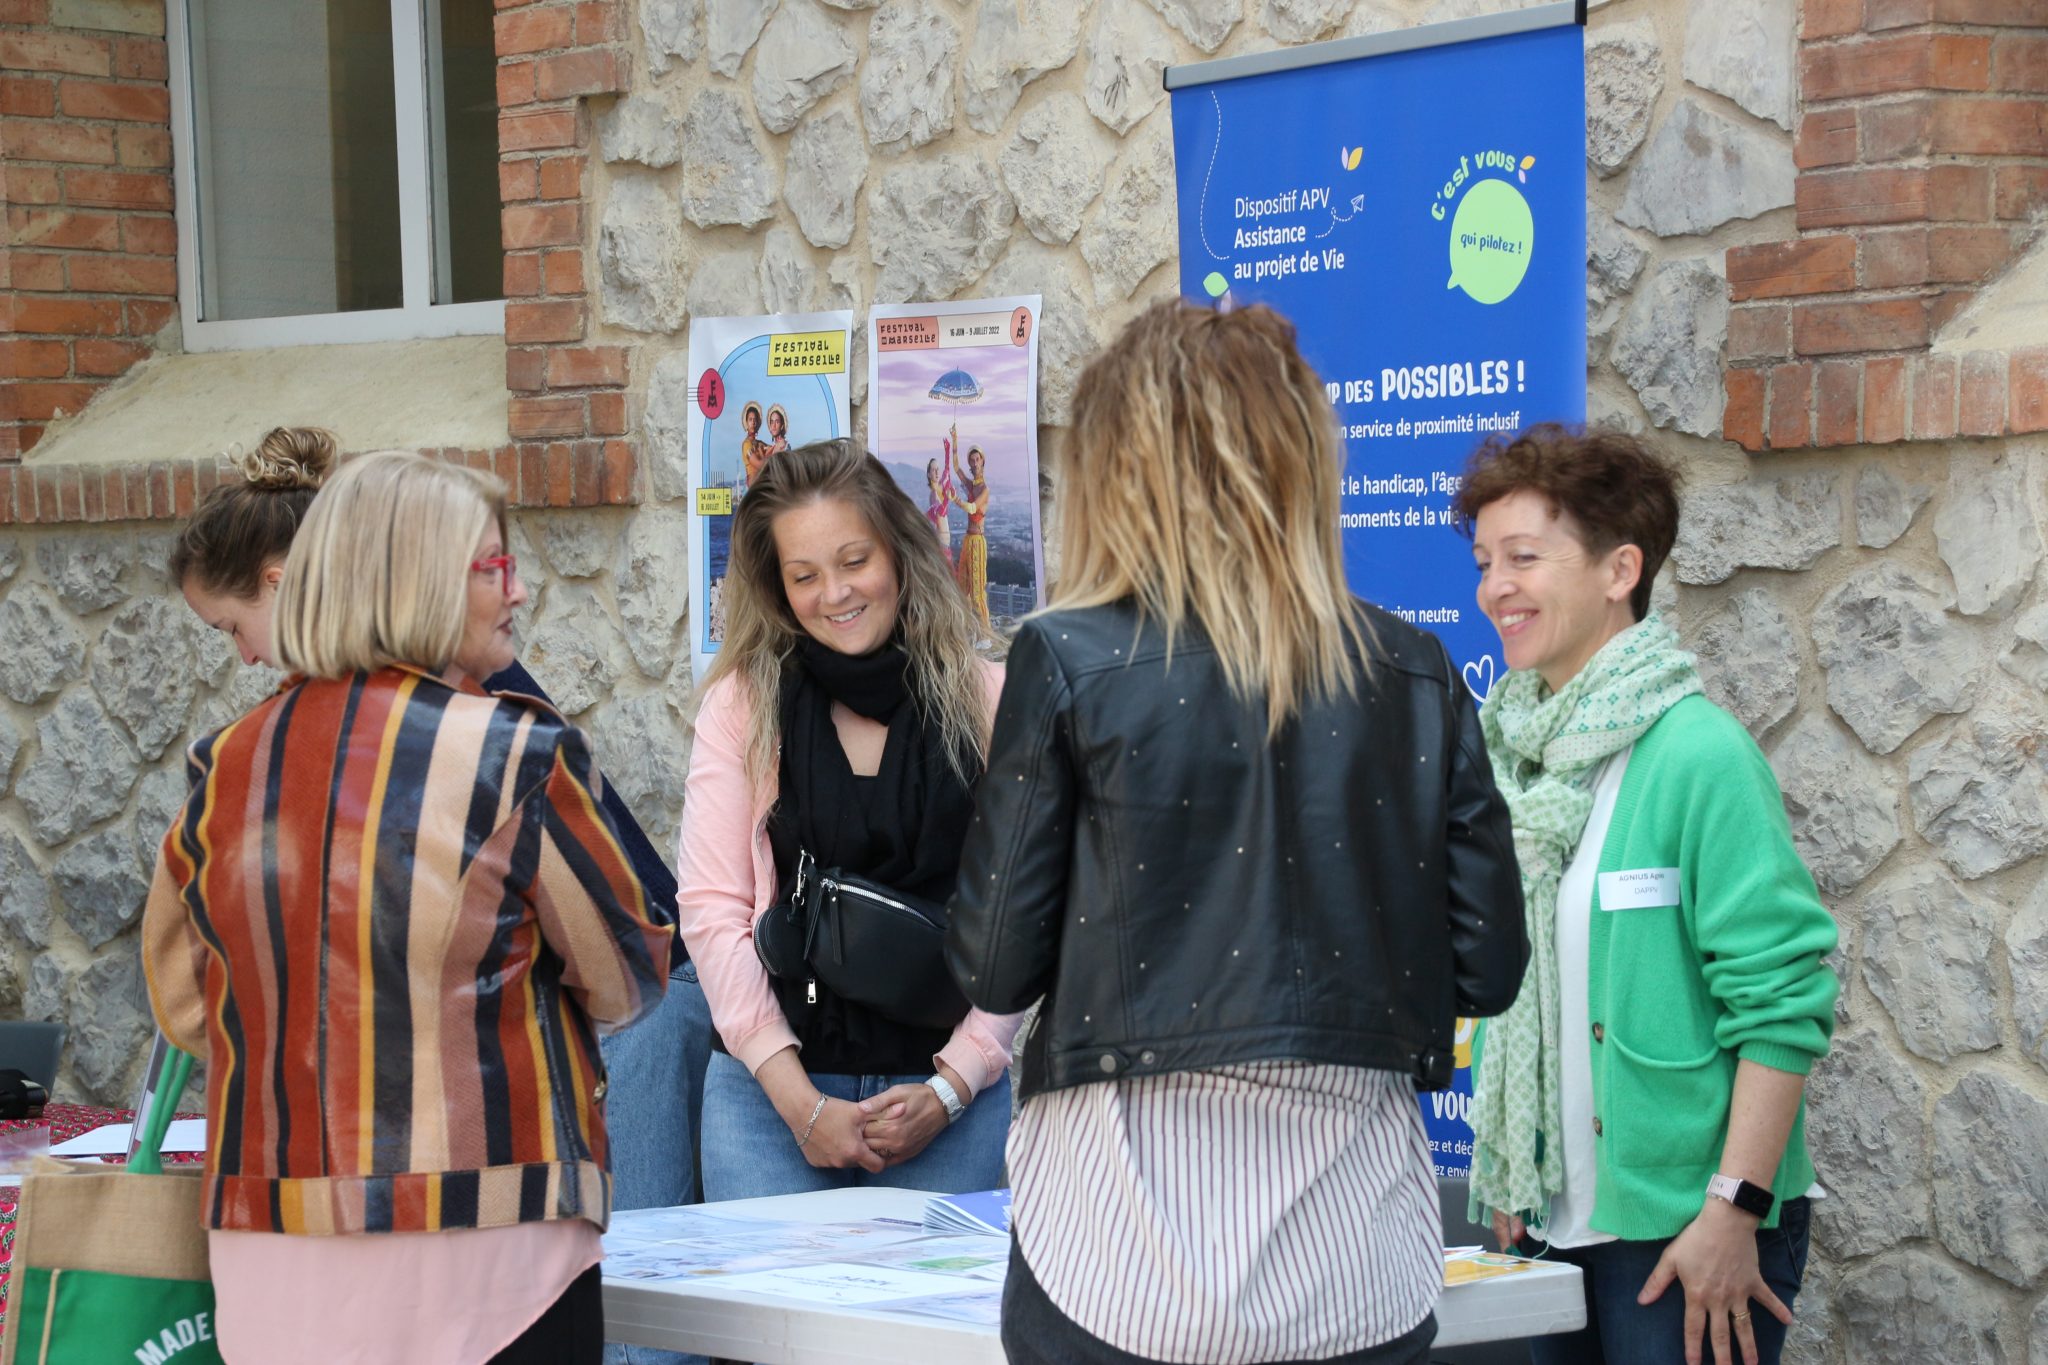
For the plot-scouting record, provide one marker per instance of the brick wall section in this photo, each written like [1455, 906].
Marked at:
[89, 272]
[1923, 158]
[551, 57]
[585, 473]
[88, 262]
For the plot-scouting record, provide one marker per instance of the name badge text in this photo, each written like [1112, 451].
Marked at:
[1644, 888]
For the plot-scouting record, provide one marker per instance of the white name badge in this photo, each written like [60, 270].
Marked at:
[1643, 889]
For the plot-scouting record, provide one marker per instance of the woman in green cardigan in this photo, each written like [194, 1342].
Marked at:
[1639, 1111]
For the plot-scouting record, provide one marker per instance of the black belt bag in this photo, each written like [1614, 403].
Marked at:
[868, 943]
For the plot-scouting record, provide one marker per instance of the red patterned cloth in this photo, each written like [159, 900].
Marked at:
[66, 1121]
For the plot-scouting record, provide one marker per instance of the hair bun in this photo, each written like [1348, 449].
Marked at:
[289, 457]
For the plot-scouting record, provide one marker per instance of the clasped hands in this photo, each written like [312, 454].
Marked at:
[883, 1131]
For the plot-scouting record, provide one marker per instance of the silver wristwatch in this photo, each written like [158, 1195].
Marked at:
[949, 1097]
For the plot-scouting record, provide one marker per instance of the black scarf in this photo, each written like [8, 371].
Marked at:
[904, 826]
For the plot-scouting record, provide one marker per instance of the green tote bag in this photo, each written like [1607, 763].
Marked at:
[110, 1264]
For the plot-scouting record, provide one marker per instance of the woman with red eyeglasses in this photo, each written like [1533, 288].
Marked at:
[228, 561]
[393, 916]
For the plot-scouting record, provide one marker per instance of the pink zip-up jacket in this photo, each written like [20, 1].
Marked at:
[725, 880]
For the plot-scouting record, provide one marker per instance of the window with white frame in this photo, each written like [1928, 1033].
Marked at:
[337, 170]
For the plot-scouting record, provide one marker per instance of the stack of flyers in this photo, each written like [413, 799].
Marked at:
[986, 1212]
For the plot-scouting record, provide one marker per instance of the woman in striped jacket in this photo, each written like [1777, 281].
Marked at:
[392, 916]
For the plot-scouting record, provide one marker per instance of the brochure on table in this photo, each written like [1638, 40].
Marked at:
[111, 1139]
[881, 1264]
[885, 1265]
[985, 1212]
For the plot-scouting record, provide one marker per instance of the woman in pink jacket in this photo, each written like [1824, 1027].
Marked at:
[839, 736]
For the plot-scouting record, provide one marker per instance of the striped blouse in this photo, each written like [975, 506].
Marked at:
[390, 915]
[1269, 1211]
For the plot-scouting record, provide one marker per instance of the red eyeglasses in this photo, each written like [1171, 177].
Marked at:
[506, 566]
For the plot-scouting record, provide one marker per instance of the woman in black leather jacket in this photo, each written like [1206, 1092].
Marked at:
[1239, 830]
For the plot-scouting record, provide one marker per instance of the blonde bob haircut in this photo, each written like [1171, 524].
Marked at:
[379, 573]
[1200, 480]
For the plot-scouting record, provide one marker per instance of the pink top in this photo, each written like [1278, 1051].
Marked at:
[384, 1298]
[725, 875]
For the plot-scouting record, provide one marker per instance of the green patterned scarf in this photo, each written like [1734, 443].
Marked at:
[1546, 750]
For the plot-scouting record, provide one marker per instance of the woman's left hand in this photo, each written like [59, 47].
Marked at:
[903, 1119]
[1714, 1262]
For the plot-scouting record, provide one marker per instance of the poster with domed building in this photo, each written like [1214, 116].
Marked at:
[953, 414]
[760, 386]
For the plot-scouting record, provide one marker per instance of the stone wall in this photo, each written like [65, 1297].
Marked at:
[1873, 614]
[104, 674]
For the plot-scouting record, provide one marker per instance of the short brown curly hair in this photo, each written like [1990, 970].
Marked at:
[1613, 487]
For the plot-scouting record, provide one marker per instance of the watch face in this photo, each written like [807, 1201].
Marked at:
[1754, 1199]
[1751, 1199]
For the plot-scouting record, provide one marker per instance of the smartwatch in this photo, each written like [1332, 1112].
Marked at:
[948, 1096]
[1751, 1199]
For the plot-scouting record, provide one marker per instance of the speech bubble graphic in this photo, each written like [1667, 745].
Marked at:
[1215, 284]
[1461, 1042]
[1491, 238]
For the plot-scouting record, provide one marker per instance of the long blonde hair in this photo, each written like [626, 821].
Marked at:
[932, 618]
[1200, 479]
[379, 573]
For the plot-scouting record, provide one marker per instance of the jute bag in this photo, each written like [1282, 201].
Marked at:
[110, 1264]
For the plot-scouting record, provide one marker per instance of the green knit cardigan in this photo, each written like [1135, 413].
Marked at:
[1678, 994]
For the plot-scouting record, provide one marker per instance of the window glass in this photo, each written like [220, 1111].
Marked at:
[296, 157]
[469, 257]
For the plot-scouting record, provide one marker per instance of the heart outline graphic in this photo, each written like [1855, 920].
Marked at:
[1473, 670]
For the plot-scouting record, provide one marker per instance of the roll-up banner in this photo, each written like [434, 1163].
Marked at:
[1415, 202]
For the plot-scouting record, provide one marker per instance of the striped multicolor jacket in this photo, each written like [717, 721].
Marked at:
[390, 916]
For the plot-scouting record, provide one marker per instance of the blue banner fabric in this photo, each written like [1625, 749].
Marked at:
[1420, 216]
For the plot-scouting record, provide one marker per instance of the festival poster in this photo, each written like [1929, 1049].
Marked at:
[953, 413]
[1415, 203]
[763, 385]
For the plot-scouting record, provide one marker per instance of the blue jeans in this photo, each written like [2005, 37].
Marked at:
[748, 1152]
[653, 1115]
[1619, 1331]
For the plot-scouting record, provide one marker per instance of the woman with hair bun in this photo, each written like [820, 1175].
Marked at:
[229, 559]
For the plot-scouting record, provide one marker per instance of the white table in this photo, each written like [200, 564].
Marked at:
[701, 1316]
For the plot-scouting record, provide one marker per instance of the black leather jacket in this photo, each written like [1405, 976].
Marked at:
[1185, 894]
